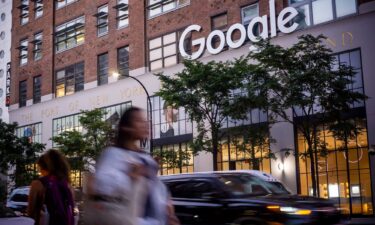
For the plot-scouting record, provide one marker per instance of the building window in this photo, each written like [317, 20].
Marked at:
[71, 122]
[169, 121]
[248, 13]
[219, 22]
[62, 3]
[23, 51]
[123, 61]
[70, 80]
[312, 12]
[230, 157]
[2, 16]
[102, 20]
[70, 34]
[352, 58]
[103, 69]
[22, 93]
[38, 40]
[175, 158]
[37, 89]
[2, 35]
[157, 7]
[2, 54]
[163, 51]
[122, 17]
[32, 131]
[38, 8]
[331, 169]
[24, 11]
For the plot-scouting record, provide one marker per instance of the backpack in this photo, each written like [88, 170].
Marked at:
[59, 201]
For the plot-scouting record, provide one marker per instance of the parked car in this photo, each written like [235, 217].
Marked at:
[18, 198]
[18, 201]
[219, 198]
[9, 217]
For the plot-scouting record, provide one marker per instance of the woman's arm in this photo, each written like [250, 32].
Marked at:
[35, 200]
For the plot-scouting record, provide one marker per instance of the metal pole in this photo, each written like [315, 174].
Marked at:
[150, 107]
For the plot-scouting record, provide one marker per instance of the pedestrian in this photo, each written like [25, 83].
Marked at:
[51, 196]
[125, 188]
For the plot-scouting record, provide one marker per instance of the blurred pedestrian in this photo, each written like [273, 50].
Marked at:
[125, 188]
[51, 196]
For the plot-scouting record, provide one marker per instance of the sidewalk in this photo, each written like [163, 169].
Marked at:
[363, 221]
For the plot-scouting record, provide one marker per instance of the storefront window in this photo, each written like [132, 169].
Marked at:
[231, 157]
[175, 158]
[332, 175]
[169, 121]
[32, 131]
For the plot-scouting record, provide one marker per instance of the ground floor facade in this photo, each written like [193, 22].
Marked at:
[347, 179]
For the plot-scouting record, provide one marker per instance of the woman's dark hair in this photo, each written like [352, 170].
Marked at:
[42, 162]
[56, 164]
[125, 121]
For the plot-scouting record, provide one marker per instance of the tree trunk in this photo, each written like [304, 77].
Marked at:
[312, 166]
[348, 174]
[254, 161]
[215, 146]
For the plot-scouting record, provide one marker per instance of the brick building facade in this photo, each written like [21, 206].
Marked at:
[69, 55]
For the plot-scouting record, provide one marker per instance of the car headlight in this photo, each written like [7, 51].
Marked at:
[290, 210]
[295, 211]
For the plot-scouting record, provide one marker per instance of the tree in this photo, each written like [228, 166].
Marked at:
[253, 140]
[172, 158]
[301, 79]
[205, 90]
[18, 155]
[83, 148]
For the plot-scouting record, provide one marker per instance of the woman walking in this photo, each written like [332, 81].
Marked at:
[125, 188]
[51, 198]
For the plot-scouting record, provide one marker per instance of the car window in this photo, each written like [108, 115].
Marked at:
[19, 197]
[243, 184]
[190, 189]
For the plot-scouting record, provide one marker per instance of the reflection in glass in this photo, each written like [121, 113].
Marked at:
[303, 17]
[344, 8]
[322, 11]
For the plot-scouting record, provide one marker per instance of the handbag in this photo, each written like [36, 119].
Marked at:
[44, 216]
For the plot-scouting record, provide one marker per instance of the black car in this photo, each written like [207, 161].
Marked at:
[240, 198]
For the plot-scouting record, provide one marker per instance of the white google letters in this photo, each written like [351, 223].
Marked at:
[284, 18]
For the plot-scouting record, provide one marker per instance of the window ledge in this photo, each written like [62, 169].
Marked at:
[122, 27]
[172, 10]
[57, 52]
[103, 34]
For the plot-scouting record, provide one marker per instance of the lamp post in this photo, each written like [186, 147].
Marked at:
[115, 74]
